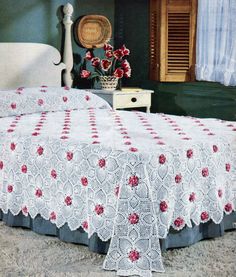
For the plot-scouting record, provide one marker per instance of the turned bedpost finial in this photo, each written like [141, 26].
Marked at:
[68, 54]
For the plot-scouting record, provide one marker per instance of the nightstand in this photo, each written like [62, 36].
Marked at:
[126, 99]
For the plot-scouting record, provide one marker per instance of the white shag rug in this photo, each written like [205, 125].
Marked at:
[25, 253]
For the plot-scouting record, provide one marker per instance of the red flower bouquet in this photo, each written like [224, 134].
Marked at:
[110, 68]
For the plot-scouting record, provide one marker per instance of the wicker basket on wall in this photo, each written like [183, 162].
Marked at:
[93, 31]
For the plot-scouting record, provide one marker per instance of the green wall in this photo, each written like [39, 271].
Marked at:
[40, 20]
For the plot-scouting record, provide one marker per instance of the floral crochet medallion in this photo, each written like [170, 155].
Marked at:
[109, 69]
[126, 176]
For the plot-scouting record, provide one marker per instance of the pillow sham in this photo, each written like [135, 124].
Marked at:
[44, 99]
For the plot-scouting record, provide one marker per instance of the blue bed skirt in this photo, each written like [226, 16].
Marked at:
[175, 239]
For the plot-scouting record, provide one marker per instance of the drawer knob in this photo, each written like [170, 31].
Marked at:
[133, 99]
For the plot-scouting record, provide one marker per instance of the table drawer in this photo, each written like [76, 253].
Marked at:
[129, 100]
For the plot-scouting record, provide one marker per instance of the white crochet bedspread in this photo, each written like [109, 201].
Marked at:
[127, 176]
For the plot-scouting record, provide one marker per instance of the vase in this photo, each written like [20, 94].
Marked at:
[108, 82]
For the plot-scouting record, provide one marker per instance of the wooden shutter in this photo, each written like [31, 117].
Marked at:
[172, 40]
[154, 41]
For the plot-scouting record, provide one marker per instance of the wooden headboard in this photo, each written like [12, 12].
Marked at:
[35, 64]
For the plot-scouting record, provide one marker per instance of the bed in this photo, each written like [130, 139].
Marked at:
[128, 183]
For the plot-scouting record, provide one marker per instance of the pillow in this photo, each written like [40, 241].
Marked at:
[43, 99]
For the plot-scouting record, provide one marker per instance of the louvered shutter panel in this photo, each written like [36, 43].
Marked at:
[154, 41]
[177, 40]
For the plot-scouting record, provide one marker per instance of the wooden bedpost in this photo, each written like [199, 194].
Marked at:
[68, 54]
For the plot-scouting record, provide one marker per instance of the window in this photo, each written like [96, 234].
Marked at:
[172, 40]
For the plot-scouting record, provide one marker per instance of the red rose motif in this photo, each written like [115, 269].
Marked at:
[13, 106]
[40, 150]
[68, 200]
[179, 222]
[204, 216]
[118, 54]
[95, 61]
[133, 181]
[40, 102]
[84, 181]
[85, 74]
[117, 190]
[109, 54]
[134, 255]
[85, 225]
[99, 209]
[38, 192]
[118, 73]
[189, 153]
[192, 197]
[10, 188]
[53, 216]
[186, 138]
[205, 172]
[88, 55]
[215, 148]
[1, 165]
[66, 88]
[102, 163]
[24, 169]
[228, 207]
[107, 47]
[13, 146]
[133, 218]
[125, 50]
[220, 193]
[87, 98]
[133, 149]
[163, 206]
[127, 143]
[162, 159]
[105, 64]
[10, 130]
[178, 178]
[227, 167]
[24, 210]
[54, 173]
[69, 156]
[35, 134]
[64, 98]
